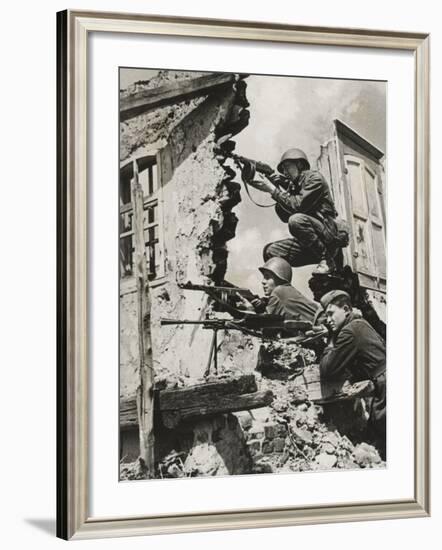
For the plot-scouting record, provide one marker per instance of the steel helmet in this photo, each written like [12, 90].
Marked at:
[293, 154]
[279, 267]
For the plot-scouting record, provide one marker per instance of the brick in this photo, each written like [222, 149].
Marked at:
[254, 446]
[270, 431]
[278, 444]
[256, 432]
[281, 430]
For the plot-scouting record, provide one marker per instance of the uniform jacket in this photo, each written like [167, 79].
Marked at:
[358, 353]
[308, 194]
[289, 303]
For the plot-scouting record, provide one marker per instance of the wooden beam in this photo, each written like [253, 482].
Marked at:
[204, 393]
[145, 401]
[175, 92]
[218, 397]
[217, 405]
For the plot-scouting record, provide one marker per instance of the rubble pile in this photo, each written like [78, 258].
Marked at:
[133, 470]
[277, 359]
[293, 436]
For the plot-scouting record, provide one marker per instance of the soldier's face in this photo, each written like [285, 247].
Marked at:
[336, 316]
[290, 169]
[268, 284]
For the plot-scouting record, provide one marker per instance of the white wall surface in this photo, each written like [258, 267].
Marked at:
[28, 272]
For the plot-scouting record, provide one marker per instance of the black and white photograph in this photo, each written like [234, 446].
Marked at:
[253, 274]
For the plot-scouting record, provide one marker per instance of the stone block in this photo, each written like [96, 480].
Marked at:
[325, 461]
[267, 447]
[245, 419]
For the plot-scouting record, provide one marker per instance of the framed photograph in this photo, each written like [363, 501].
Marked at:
[243, 244]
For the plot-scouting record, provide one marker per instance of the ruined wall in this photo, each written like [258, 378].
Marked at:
[198, 194]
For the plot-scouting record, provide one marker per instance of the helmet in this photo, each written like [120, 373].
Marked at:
[279, 267]
[331, 296]
[293, 154]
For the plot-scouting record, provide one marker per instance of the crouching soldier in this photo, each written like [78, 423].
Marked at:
[280, 297]
[356, 352]
[306, 205]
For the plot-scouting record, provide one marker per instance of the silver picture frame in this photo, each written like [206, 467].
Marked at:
[73, 517]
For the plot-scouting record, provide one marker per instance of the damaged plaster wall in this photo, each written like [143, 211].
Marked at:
[197, 196]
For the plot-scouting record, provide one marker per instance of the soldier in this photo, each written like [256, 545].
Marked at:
[281, 298]
[308, 208]
[356, 352]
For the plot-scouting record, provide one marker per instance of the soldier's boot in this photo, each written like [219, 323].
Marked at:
[325, 267]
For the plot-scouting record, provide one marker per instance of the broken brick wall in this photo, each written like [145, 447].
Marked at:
[197, 195]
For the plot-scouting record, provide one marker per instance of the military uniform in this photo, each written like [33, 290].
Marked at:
[289, 303]
[308, 208]
[359, 354]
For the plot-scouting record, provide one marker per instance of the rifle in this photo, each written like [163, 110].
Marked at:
[263, 326]
[249, 167]
[249, 323]
[226, 295]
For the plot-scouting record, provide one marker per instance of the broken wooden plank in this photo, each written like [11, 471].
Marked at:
[181, 90]
[217, 405]
[316, 389]
[322, 391]
[202, 397]
[204, 393]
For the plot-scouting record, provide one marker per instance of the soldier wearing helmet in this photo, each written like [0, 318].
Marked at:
[308, 209]
[280, 297]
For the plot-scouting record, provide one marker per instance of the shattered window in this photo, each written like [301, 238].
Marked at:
[149, 181]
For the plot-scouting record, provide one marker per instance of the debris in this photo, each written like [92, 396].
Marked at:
[297, 437]
[133, 470]
[325, 461]
[366, 455]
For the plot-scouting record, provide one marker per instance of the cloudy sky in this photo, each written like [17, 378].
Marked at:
[294, 112]
[289, 112]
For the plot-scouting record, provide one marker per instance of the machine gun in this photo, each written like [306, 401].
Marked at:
[262, 326]
[228, 296]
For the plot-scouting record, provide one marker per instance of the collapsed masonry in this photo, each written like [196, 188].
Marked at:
[176, 132]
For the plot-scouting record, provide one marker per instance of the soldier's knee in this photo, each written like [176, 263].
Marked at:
[267, 252]
[297, 222]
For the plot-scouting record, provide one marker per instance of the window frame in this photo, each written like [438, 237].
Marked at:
[153, 157]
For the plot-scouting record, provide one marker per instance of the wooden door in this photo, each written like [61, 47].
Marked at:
[367, 222]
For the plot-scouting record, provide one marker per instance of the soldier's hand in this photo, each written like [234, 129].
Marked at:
[357, 313]
[262, 185]
[245, 304]
[259, 304]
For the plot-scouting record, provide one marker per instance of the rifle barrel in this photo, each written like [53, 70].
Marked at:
[191, 286]
[205, 322]
[180, 322]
